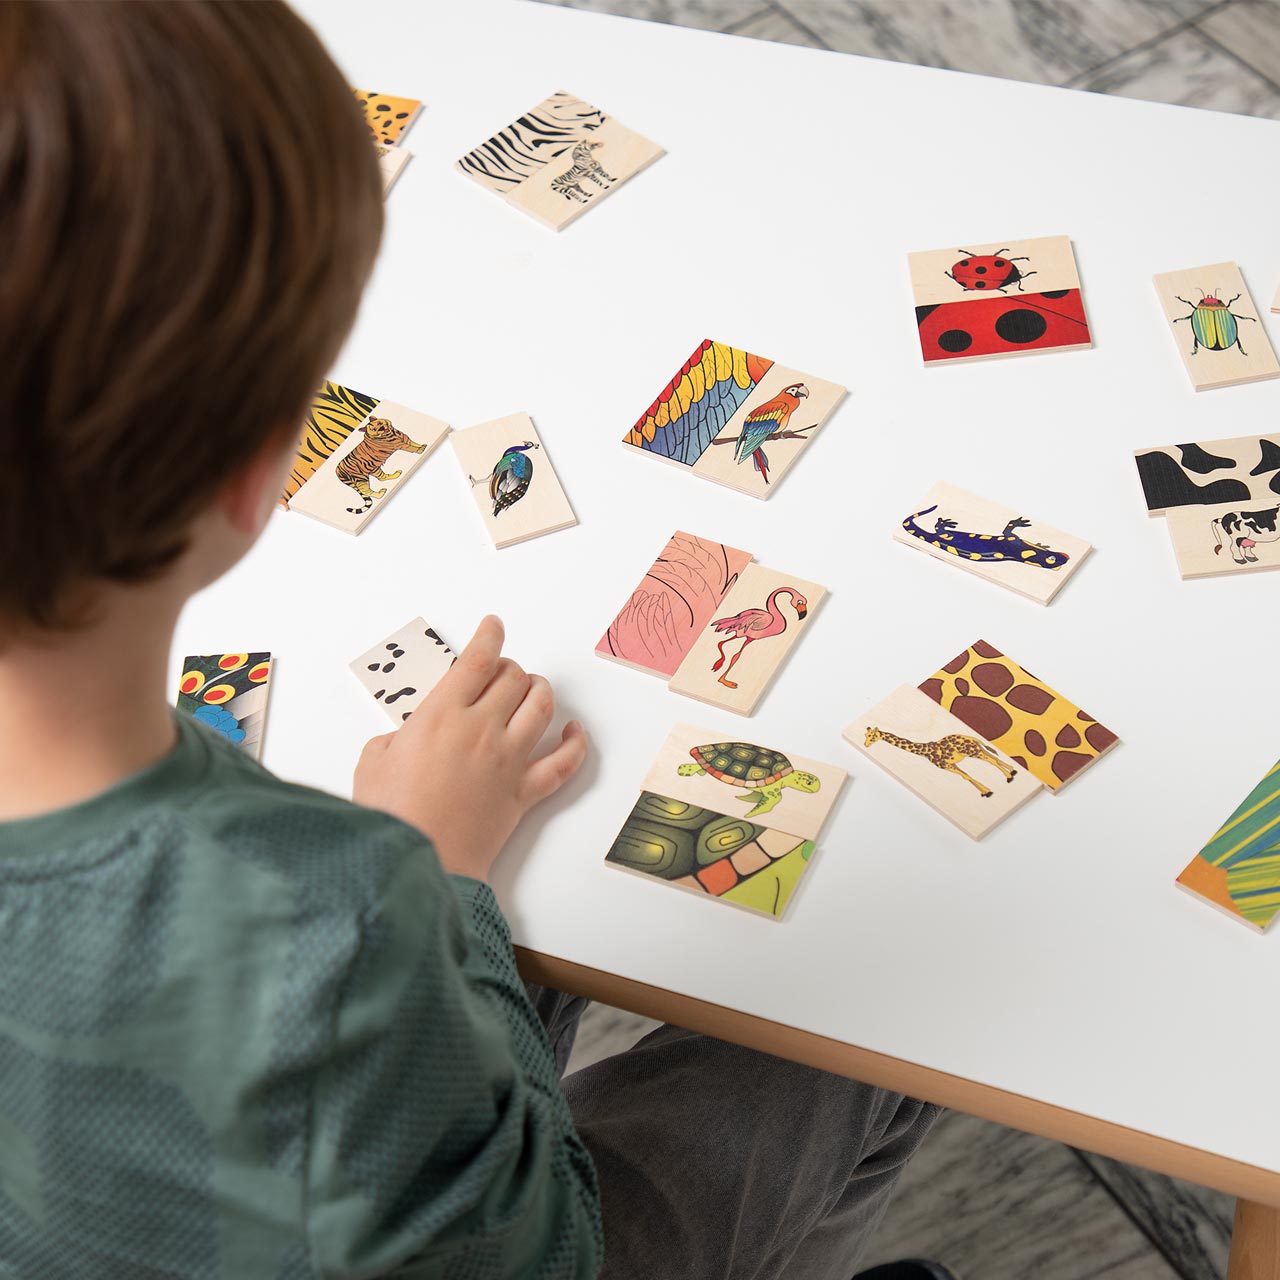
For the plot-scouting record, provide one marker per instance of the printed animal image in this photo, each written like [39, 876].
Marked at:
[333, 415]
[364, 462]
[1241, 470]
[585, 168]
[742, 764]
[227, 692]
[768, 422]
[988, 271]
[1240, 531]
[1213, 324]
[945, 753]
[755, 624]
[1006, 545]
[510, 478]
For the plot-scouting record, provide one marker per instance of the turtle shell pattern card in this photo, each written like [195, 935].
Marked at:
[515, 487]
[401, 670]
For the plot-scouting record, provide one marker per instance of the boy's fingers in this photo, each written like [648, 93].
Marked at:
[546, 775]
[506, 690]
[477, 663]
[530, 719]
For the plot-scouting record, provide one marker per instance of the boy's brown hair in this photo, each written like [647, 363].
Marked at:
[189, 209]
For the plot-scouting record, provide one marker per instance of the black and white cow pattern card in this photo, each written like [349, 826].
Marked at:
[402, 669]
[1244, 470]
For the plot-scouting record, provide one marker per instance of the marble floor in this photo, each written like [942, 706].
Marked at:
[991, 1203]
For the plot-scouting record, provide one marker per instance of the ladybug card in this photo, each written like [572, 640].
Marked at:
[227, 692]
[977, 301]
[1216, 326]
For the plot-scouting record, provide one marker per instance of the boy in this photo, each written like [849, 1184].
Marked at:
[246, 1029]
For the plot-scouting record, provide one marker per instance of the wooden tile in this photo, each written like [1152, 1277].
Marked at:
[1033, 724]
[1242, 470]
[1001, 544]
[935, 755]
[1238, 871]
[228, 692]
[981, 301]
[333, 415]
[515, 487]
[735, 658]
[387, 116]
[558, 159]
[674, 601]
[1215, 326]
[698, 767]
[391, 162]
[402, 669]
[1208, 541]
[369, 466]
[736, 418]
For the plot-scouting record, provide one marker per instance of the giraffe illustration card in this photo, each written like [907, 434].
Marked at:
[737, 654]
[363, 470]
[402, 669]
[1240, 471]
[1216, 326]
[1001, 544]
[388, 117]
[515, 487]
[674, 601]
[227, 692]
[953, 770]
[1238, 871]
[735, 418]
[1034, 725]
[1209, 541]
[1001, 299]
[559, 159]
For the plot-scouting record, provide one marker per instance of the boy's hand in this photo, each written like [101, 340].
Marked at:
[459, 768]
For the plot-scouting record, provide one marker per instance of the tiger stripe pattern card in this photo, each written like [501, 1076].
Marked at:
[559, 159]
[401, 670]
[227, 692]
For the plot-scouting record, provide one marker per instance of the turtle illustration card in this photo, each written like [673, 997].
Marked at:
[1034, 725]
[559, 159]
[1244, 470]
[402, 669]
[1001, 544]
[735, 657]
[227, 692]
[1208, 541]
[753, 780]
[735, 418]
[1216, 326]
[674, 601]
[361, 472]
[388, 117]
[1238, 871]
[985, 300]
[953, 770]
[515, 487]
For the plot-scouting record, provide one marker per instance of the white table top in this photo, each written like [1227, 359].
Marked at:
[1055, 959]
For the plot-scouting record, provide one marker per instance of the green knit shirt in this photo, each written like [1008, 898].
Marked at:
[250, 1030]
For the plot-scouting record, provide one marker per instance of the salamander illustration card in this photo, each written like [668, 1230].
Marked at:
[1244, 471]
[516, 490]
[735, 418]
[998, 299]
[559, 159]
[227, 692]
[1208, 541]
[1001, 544]
[402, 669]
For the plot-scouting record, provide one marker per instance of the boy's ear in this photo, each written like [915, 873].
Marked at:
[247, 499]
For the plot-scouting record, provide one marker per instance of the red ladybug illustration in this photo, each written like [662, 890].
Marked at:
[988, 272]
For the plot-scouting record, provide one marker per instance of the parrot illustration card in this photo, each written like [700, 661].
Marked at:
[559, 159]
[335, 412]
[1001, 544]
[1216, 326]
[737, 654]
[515, 488]
[1034, 725]
[365, 469]
[1238, 871]
[391, 162]
[1003, 299]
[387, 116]
[674, 601]
[1209, 541]
[1241, 471]
[963, 776]
[227, 692]
[402, 669]
[735, 418]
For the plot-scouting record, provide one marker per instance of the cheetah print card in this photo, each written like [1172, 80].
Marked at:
[402, 669]
[559, 159]
[227, 692]
[388, 117]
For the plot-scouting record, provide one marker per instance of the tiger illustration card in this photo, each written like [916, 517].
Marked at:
[402, 669]
[558, 159]
[227, 692]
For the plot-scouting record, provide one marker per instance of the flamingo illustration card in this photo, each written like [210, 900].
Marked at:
[402, 669]
[951, 768]
[737, 654]
[736, 418]
[559, 159]
[515, 487]
[1001, 544]
[227, 692]
[674, 601]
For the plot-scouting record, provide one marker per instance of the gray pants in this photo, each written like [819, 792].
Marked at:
[722, 1163]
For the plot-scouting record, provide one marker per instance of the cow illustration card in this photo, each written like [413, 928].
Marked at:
[1208, 541]
[674, 601]
[985, 300]
[1001, 544]
[515, 487]
[1244, 471]
[737, 655]
[363, 470]
[402, 669]
[559, 159]
[387, 116]
[953, 770]
[735, 418]
[227, 692]
[1216, 326]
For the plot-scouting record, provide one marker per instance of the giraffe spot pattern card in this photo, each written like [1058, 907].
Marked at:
[227, 692]
[388, 117]
[401, 670]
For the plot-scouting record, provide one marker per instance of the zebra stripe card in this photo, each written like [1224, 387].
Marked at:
[558, 159]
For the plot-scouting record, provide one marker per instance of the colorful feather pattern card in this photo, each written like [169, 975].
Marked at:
[227, 692]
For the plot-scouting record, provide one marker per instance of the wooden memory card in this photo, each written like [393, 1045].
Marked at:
[228, 692]
[401, 670]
